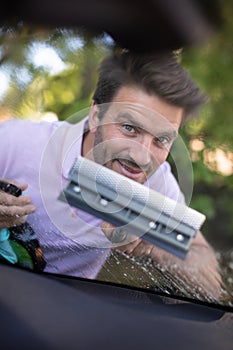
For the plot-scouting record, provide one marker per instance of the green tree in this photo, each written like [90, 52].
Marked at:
[63, 93]
[212, 67]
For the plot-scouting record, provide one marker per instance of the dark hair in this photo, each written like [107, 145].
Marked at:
[158, 74]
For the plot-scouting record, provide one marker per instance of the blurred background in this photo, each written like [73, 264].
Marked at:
[50, 74]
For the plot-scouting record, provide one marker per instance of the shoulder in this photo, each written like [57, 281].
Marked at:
[21, 131]
[27, 125]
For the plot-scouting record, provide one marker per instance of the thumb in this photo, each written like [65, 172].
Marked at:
[107, 229]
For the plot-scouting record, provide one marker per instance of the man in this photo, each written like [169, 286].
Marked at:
[138, 107]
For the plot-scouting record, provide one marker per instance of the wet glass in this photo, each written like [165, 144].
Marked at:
[41, 76]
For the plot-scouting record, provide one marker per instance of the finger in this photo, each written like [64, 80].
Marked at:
[10, 217]
[113, 233]
[128, 247]
[107, 229]
[12, 222]
[9, 200]
[16, 211]
[142, 249]
[117, 235]
[23, 186]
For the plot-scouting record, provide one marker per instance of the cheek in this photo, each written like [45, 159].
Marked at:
[111, 133]
[159, 156]
[112, 137]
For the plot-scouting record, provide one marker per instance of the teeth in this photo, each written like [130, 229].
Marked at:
[128, 169]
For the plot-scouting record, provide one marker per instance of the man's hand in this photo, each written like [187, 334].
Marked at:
[199, 271]
[131, 245]
[14, 210]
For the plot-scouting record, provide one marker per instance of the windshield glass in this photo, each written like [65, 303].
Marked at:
[165, 223]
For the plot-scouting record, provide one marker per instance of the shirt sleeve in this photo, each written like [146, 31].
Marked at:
[7, 137]
[21, 143]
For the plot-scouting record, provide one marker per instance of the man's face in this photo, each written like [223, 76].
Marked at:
[135, 134]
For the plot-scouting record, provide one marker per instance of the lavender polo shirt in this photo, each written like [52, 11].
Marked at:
[41, 154]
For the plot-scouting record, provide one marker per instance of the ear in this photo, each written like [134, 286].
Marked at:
[93, 119]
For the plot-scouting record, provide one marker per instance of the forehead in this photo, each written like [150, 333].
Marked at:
[144, 110]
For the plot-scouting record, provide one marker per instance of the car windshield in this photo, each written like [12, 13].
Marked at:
[48, 79]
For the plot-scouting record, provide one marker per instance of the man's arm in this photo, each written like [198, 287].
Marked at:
[200, 270]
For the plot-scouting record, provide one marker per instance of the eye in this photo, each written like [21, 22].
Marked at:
[129, 128]
[164, 141]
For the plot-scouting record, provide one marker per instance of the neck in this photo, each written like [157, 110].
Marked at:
[87, 146]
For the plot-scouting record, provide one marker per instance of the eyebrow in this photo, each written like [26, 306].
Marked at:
[129, 118]
[172, 134]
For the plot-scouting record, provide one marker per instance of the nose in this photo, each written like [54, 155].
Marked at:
[146, 154]
[141, 152]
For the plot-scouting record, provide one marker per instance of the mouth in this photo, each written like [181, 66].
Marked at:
[130, 170]
[134, 169]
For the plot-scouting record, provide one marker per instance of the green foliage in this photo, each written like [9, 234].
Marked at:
[204, 204]
[62, 93]
[212, 66]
